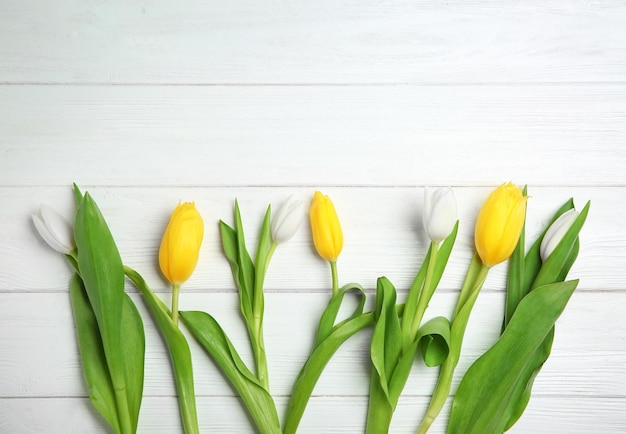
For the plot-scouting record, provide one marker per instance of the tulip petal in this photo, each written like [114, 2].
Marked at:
[54, 229]
[180, 246]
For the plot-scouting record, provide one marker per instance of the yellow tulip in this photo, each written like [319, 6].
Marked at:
[499, 224]
[327, 235]
[181, 242]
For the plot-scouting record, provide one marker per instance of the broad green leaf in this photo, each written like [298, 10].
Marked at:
[214, 340]
[480, 404]
[434, 341]
[101, 270]
[521, 396]
[315, 364]
[523, 389]
[178, 348]
[92, 357]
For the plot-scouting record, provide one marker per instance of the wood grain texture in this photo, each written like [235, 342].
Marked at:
[313, 136]
[145, 104]
[307, 42]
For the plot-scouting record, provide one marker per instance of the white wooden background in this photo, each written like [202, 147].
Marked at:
[145, 103]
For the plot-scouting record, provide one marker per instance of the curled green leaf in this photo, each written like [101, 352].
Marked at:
[434, 341]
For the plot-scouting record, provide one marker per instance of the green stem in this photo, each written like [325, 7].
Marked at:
[474, 281]
[175, 292]
[333, 271]
[260, 359]
[122, 410]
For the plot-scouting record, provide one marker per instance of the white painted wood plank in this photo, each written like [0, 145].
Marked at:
[382, 231]
[363, 135]
[40, 357]
[312, 42]
[340, 415]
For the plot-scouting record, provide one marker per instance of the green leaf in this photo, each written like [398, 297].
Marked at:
[92, 356]
[385, 353]
[329, 316]
[214, 340]
[78, 196]
[260, 266]
[101, 270]
[521, 396]
[412, 299]
[532, 262]
[246, 266]
[434, 341]
[231, 250]
[329, 338]
[556, 267]
[434, 272]
[386, 345]
[315, 364]
[180, 355]
[480, 404]
[133, 350]
[515, 280]
[442, 259]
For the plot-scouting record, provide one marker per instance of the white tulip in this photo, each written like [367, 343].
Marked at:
[287, 219]
[556, 232]
[439, 213]
[54, 229]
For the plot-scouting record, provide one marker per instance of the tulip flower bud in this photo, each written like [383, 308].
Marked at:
[439, 214]
[181, 242]
[556, 232]
[327, 234]
[287, 219]
[54, 229]
[500, 224]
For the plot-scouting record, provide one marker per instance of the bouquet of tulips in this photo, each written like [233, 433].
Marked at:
[492, 395]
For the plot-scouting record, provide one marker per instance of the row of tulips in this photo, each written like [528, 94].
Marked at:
[492, 395]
